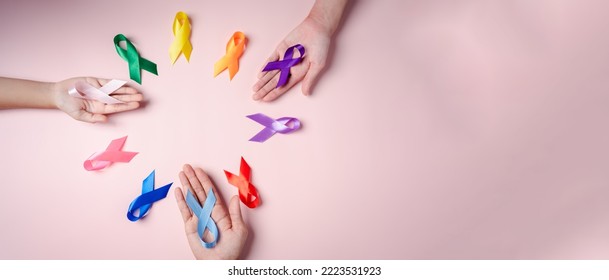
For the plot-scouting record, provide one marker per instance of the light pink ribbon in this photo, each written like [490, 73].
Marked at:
[86, 91]
[113, 153]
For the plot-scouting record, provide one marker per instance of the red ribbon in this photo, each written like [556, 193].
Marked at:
[247, 191]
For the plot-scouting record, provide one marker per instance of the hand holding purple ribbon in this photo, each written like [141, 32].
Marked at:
[316, 33]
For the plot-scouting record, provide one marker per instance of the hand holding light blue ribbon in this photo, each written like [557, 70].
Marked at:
[204, 216]
[147, 198]
[213, 230]
[273, 126]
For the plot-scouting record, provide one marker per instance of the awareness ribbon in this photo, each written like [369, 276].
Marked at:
[136, 62]
[285, 64]
[147, 198]
[234, 50]
[113, 153]
[181, 43]
[86, 91]
[204, 216]
[247, 191]
[273, 126]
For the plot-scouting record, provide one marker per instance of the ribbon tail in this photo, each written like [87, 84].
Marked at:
[274, 65]
[263, 135]
[148, 66]
[116, 156]
[187, 50]
[220, 66]
[233, 68]
[283, 77]
[117, 144]
[134, 70]
[174, 52]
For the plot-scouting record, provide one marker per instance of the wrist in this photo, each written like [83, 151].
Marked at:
[322, 25]
[54, 92]
[327, 14]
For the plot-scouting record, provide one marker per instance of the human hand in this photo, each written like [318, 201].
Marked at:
[91, 110]
[316, 38]
[233, 231]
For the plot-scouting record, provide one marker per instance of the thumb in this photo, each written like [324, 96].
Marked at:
[234, 210]
[311, 78]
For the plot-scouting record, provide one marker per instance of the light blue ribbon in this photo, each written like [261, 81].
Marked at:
[204, 215]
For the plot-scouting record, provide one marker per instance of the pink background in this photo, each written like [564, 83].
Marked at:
[442, 130]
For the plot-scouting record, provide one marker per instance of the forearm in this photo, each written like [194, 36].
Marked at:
[16, 93]
[328, 13]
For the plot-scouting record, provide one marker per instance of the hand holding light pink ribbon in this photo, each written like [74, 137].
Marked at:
[91, 99]
[86, 91]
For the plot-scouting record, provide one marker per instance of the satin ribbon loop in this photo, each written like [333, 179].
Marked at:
[135, 61]
[204, 216]
[282, 125]
[285, 64]
[181, 42]
[84, 90]
[113, 153]
[147, 198]
[247, 191]
[234, 50]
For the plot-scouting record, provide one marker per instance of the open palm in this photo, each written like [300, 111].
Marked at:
[232, 230]
[316, 40]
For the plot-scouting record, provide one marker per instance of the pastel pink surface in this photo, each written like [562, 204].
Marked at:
[442, 130]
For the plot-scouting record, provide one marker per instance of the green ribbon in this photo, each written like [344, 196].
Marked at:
[136, 62]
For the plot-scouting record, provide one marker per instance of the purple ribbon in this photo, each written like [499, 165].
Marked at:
[273, 126]
[285, 64]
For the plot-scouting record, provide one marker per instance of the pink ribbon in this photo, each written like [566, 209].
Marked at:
[113, 153]
[86, 91]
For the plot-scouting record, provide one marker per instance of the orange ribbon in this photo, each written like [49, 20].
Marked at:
[234, 50]
[247, 192]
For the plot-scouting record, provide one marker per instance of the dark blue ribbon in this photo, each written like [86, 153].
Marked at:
[204, 215]
[147, 198]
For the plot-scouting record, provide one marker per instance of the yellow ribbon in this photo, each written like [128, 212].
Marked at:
[234, 50]
[181, 42]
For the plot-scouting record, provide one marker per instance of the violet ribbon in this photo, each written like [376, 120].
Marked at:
[272, 126]
[285, 64]
[86, 91]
